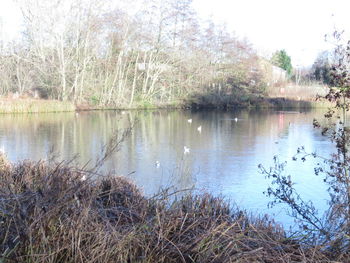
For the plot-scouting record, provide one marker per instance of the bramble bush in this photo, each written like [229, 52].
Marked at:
[332, 229]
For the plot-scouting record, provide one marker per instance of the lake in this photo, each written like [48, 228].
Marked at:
[166, 149]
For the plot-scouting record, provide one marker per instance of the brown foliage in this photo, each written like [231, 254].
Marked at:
[57, 213]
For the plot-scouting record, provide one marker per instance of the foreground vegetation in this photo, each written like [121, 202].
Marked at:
[57, 213]
[332, 228]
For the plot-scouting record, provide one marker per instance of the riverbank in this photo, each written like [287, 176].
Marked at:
[29, 105]
[58, 213]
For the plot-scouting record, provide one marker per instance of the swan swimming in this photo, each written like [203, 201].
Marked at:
[157, 164]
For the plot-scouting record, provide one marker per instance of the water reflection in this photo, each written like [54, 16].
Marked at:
[222, 159]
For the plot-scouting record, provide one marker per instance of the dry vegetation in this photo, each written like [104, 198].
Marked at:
[57, 213]
[91, 53]
[34, 105]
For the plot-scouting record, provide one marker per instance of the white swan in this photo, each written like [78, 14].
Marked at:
[199, 129]
[186, 150]
[157, 164]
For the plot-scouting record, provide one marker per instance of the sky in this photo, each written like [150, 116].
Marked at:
[298, 26]
[10, 19]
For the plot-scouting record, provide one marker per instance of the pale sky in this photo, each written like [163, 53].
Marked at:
[10, 19]
[298, 26]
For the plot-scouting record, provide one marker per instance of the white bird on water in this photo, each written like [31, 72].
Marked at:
[186, 150]
[199, 129]
[157, 164]
[236, 119]
[189, 120]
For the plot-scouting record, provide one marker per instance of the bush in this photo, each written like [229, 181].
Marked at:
[332, 230]
[57, 213]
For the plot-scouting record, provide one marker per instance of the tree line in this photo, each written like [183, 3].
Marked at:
[106, 54]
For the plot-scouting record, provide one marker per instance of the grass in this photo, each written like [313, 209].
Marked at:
[34, 106]
[292, 97]
[297, 92]
[58, 213]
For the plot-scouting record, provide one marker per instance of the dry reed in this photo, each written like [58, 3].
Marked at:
[57, 213]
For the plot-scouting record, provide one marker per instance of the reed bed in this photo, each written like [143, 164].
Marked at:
[34, 106]
[58, 213]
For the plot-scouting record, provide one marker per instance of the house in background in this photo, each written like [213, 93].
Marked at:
[274, 76]
[278, 74]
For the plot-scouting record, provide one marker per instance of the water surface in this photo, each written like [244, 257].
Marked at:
[223, 158]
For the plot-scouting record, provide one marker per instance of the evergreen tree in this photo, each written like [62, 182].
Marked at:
[281, 59]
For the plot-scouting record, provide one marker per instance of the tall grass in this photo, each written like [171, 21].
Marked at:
[57, 213]
[34, 106]
[297, 92]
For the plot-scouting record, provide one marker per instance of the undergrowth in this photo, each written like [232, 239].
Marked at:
[58, 213]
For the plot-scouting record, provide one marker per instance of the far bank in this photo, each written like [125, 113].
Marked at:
[288, 97]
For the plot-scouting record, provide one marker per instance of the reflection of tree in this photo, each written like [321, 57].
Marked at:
[157, 136]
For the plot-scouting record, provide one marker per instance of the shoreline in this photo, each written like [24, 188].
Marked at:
[55, 212]
[29, 105]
